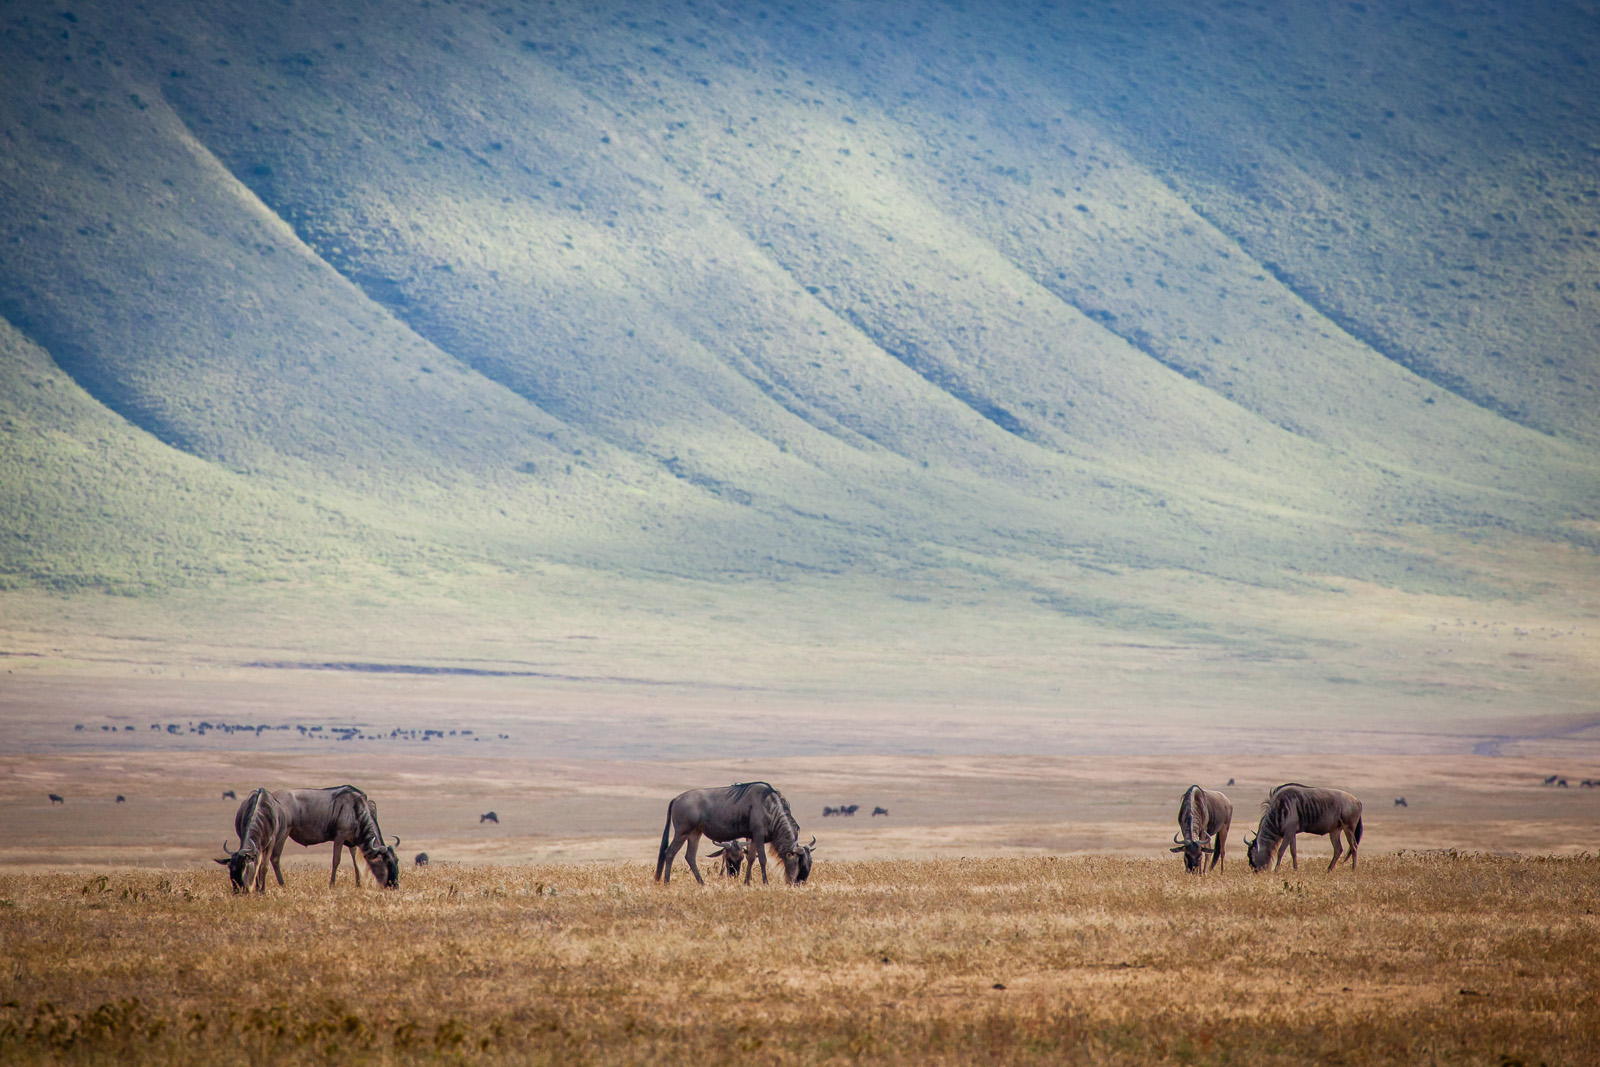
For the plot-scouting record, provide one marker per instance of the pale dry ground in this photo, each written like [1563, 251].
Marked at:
[560, 810]
[1432, 959]
[585, 771]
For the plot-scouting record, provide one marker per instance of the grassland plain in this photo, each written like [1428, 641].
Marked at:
[1438, 958]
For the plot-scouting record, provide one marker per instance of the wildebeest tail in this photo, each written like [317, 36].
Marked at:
[1358, 831]
[666, 832]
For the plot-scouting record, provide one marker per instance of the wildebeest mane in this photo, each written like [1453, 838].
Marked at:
[780, 820]
[255, 805]
[366, 818]
[1189, 821]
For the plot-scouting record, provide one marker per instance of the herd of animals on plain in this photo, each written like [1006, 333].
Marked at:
[747, 821]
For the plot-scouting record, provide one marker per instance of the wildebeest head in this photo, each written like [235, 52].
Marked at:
[384, 864]
[733, 855]
[1193, 854]
[797, 862]
[241, 866]
[1259, 855]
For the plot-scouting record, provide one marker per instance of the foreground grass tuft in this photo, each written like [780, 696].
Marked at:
[1444, 959]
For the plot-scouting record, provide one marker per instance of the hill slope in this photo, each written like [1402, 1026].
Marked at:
[885, 292]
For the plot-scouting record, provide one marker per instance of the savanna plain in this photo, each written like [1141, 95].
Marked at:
[1009, 909]
[1415, 958]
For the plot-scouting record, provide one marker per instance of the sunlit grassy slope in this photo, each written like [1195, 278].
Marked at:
[341, 293]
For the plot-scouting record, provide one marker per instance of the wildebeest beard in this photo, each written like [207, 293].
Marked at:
[384, 865]
[238, 864]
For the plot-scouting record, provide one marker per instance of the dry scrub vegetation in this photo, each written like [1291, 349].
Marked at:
[1425, 959]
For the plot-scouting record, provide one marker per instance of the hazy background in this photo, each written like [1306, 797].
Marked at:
[1163, 367]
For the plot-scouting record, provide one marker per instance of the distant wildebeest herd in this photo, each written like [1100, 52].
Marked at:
[747, 821]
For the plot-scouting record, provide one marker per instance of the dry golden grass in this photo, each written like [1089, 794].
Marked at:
[1425, 959]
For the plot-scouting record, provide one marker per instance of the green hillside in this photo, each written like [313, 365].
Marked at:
[878, 299]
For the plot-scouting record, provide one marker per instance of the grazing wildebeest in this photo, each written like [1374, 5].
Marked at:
[735, 854]
[1562, 782]
[880, 811]
[421, 860]
[1552, 779]
[56, 798]
[227, 794]
[827, 811]
[849, 809]
[260, 824]
[121, 799]
[745, 809]
[489, 816]
[1204, 817]
[1400, 802]
[1292, 809]
[344, 815]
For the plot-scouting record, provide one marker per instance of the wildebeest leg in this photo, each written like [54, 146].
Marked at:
[761, 854]
[1350, 834]
[672, 854]
[1337, 851]
[355, 864]
[1294, 853]
[338, 847]
[694, 844]
[275, 869]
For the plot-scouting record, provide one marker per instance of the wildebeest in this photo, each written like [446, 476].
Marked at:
[1562, 782]
[421, 860]
[260, 824]
[1552, 779]
[1204, 817]
[227, 794]
[1230, 781]
[489, 816]
[827, 811]
[1292, 809]
[56, 798]
[745, 809]
[1400, 802]
[880, 811]
[735, 854]
[121, 799]
[346, 816]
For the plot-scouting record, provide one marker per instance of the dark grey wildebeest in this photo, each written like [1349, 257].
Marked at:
[346, 816]
[735, 854]
[1292, 809]
[745, 809]
[1204, 816]
[56, 798]
[260, 824]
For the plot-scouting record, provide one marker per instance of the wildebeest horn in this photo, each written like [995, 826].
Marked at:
[813, 841]
[396, 840]
[1177, 838]
[225, 847]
